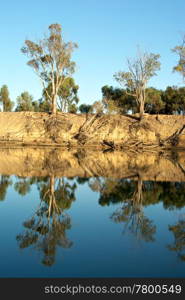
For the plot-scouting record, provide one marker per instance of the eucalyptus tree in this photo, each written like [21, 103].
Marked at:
[135, 80]
[25, 102]
[5, 99]
[85, 108]
[50, 59]
[180, 51]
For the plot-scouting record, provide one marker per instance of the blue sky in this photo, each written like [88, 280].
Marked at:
[106, 31]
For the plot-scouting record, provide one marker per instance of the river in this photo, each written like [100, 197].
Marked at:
[77, 213]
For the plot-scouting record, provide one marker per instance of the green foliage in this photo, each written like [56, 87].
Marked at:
[180, 51]
[72, 108]
[25, 103]
[154, 103]
[170, 101]
[5, 99]
[44, 105]
[174, 99]
[117, 100]
[35, 105]
[67, 95]
[85, 108]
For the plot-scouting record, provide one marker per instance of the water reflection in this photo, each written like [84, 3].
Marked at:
[132, 215]
[134, 196]
[144, 193]
[178, 230]
[5, 181]
[46, 229]
[142, 183]
[22, 186]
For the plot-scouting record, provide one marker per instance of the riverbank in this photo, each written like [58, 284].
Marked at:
[117, 132]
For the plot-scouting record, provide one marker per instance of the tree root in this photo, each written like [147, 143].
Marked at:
[173, 139]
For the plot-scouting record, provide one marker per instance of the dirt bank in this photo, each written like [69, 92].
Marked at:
[101, 131]
[156, 166]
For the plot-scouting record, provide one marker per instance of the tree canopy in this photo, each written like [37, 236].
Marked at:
[180, 51]
[25, 102]
[5, 99]
[85, 108]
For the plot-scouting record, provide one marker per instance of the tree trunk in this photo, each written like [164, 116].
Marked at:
[52, 185]
[142, 103]
[54, 104]
[139, 194]
[141, 109]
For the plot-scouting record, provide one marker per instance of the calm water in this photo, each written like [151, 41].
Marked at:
[52, 226]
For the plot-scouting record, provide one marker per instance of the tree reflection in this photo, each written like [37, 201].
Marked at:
[4, 184]
[131, 213]
[135, 194]
[173, 194]
[22, 186]
[178, 231]
[131, 194]
[46, 229]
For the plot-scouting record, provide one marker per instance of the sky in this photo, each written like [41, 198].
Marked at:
[107, 32]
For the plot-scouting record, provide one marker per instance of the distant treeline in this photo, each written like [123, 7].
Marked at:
[114, 100]
[67, 94]
[169, 101]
